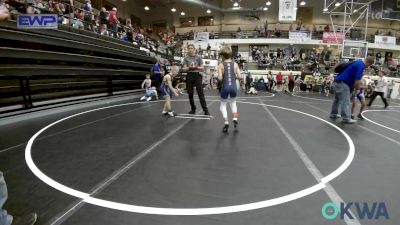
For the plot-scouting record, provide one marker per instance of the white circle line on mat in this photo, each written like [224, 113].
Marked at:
[188, 211]
[376, 123]
[318, 99]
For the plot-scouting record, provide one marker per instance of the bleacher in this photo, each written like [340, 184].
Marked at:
[41, 65]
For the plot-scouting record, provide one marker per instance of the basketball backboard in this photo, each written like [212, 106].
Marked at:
[354, 49]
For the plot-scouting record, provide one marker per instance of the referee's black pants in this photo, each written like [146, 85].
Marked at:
[376, 93]
[194, 79]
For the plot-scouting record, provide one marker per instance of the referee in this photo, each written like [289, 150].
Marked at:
[193, 65]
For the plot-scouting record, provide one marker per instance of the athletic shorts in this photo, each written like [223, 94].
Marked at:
[228, 91]
[165, 91]
[360, 96]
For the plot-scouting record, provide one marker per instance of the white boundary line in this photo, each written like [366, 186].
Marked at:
[312, 168]
[237, 97]
[79, 126]
[358, 125]
[371, 121]
[188, 211]
[325, 100]
[192, 117]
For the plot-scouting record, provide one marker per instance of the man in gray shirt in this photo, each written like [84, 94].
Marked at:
[193, 65]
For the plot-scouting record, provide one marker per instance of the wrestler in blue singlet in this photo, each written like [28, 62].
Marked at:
[229, 87]
[165, 91]
[360, 94]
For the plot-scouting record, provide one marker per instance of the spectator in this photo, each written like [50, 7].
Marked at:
[327, 28]
[390, 89]
[113, 22]
[104, 30]
[88, 13]
[39, 4]
[277, 30]
[103, 16]
[157, 76]
[5, 218]
[78, 19]
[320, 30]
[4, 13]
[129, 30]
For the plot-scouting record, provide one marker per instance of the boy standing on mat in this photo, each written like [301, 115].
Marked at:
[228, 72]
[360, 95]
[167, 91]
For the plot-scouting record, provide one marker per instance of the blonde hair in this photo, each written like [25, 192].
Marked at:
[175, 67]
[226, 52]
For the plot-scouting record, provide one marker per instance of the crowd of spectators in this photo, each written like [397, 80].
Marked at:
[83, 16]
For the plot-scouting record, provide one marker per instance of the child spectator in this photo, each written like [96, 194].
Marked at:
[149, 90]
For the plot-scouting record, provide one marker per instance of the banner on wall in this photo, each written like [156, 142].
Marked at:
[299, 36]
[287, 10]
[201, 37]
[333, 37]
[385, 40]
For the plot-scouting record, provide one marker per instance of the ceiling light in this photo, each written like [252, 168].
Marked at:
[173, 10]
[212, 19]
[183, 13]
[190, 21]
[208, 11]
[302, 3]
[355, 11]
[325, 9]
[268, 3]
[337, 4]
[235, 4]
[146, 8]
[265, 8]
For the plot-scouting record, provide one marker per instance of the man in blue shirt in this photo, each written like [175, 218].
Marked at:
[157, 74]
[345, 81]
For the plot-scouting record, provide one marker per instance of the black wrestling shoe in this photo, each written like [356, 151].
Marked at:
[235, 123]
[192, 112]
[360, 117]
[206, 113]
[225, 129]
